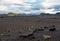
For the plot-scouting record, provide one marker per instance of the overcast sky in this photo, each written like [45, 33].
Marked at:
[30, 6]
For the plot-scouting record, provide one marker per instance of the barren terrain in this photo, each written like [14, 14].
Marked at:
[13, 27]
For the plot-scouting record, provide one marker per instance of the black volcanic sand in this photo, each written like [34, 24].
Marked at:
[11, 28]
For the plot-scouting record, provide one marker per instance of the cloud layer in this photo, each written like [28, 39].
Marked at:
[29, 6]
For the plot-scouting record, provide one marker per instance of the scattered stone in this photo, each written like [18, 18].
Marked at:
[28, 35]
[52, 29]
[33, 37]
[53, 25]
[46, 37]
[45, 27]
[41, 29]
[37, 30]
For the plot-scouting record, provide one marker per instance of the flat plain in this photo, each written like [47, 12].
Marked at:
[13, 27]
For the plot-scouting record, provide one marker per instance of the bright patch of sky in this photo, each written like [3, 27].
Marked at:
[29, 6]
[34, 1]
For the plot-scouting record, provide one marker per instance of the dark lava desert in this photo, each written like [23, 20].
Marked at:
[29, 28]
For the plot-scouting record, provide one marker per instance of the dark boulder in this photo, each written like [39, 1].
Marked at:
[52, 29]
